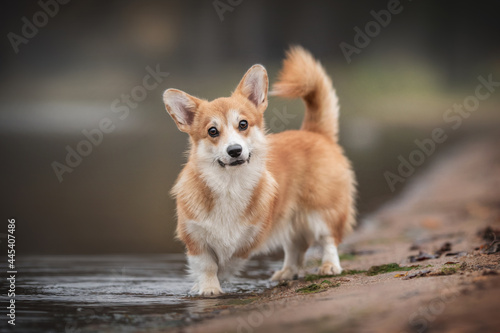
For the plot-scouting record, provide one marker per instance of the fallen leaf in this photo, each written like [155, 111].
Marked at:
[417, 274]
[489, 234]
[491, 248]
[446, 247]
[456, 254]
[400, 275]
[422, 256]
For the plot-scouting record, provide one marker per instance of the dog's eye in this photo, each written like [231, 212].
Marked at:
[213, 132]
[243, 125]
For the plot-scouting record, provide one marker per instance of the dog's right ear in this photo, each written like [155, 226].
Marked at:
[181, 107]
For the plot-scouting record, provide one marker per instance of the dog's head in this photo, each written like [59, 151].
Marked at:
[227, 131]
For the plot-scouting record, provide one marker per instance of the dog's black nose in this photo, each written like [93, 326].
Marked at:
[234, 150]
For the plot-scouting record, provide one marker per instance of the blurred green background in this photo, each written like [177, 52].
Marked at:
[66, 77]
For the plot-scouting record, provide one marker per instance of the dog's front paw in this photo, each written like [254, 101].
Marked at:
[210, 291]
[285, 274]
[195, 288]
[328, 268]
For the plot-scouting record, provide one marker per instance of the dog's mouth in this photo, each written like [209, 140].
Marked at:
[235, 162]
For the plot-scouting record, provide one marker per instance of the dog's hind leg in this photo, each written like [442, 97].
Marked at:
[294, 259]
[327, 230]
[330, 262]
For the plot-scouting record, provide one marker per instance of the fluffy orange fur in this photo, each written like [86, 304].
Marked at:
[305, 177]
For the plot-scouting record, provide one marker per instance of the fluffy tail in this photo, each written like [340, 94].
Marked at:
[303, 76]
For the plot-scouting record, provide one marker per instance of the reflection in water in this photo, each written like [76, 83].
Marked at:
[73, 293]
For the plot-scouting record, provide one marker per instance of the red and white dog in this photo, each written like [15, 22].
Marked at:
[244, 192]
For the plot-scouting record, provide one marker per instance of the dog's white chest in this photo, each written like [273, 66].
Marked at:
[225, 229]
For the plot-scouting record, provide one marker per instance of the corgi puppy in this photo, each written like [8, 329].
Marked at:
[244, 192]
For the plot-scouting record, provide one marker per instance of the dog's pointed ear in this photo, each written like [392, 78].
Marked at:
[254, 86]
[182, 107]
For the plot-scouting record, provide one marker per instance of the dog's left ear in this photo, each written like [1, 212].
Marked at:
[254, 86]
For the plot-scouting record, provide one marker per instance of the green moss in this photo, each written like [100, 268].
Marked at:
[392, 267]
[352, 272]
[448, 270]
[312, 288]
[314, 277]
[316, 288]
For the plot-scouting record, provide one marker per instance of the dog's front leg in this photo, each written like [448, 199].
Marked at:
[204, 269]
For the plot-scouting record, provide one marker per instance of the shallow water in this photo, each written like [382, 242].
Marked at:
[117, 292]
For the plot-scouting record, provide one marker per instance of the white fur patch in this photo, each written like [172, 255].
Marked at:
[317, 225]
